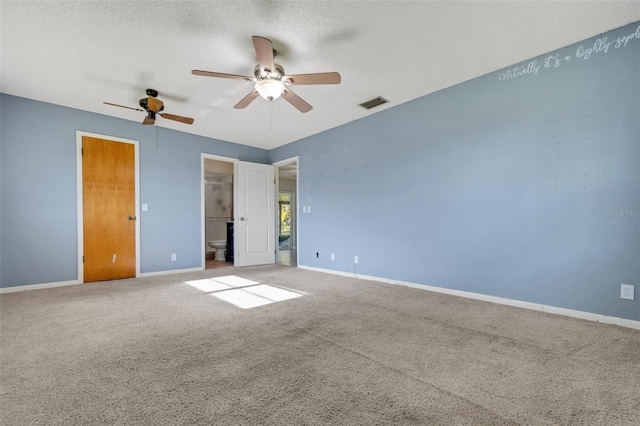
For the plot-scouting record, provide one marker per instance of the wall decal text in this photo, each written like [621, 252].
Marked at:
[601, 45]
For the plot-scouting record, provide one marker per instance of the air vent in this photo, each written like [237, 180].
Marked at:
[374, 102]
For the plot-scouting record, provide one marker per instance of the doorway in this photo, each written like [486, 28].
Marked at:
[218, 204]
[250, 220]
[287, 226]
[285, 217]
[108, 230]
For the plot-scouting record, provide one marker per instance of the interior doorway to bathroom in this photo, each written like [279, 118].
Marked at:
[287, 214]
[218, 191]
[248, 236]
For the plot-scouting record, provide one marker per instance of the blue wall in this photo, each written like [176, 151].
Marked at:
[518, 185]
[38, 190]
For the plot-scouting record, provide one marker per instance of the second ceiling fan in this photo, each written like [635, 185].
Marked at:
[270, 80]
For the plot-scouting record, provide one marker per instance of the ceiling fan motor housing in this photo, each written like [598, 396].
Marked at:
[277, 74]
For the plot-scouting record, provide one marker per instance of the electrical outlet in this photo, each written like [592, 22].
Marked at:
[627, 291]
[333, 257]
[355, 259]
[173, 256]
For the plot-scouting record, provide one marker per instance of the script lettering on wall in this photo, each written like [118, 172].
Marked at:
[600, 46]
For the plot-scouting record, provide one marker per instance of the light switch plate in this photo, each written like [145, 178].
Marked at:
[145, 207]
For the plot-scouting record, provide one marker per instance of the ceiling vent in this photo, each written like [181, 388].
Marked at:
[374, 102]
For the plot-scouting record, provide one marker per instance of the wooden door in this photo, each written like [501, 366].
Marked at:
[108, 191]
[255, 230]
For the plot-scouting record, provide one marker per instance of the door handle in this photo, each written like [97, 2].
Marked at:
[242, 219]
[131, 217]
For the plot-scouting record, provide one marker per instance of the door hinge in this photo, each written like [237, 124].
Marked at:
[81, 151]
[82, 259]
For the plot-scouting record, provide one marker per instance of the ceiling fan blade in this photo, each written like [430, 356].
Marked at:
[148, 120]
[296, 101]
[264, 50]
[317, 78]
[122, 106]
[221, 75]
[154, 104]
[246, 100]
[179, 118]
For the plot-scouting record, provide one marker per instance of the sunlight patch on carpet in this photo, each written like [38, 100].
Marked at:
[208, 285]
[242, 292]
[235, 281]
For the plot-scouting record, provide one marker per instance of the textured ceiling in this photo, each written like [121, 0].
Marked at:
[79, 54]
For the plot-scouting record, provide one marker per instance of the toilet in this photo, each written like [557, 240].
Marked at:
[220, 247]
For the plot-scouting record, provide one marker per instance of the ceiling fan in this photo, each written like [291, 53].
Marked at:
[270, 80]
[152, 105]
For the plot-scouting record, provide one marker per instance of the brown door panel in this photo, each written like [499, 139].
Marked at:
[108, 183]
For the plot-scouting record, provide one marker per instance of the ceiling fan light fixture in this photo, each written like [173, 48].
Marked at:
[270, 89]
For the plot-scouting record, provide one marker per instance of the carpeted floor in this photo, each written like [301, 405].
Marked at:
[157, 351]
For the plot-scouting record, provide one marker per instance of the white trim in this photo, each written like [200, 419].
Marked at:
[76, 282]
[494, 299]
[38, 286]
[79, 135]
[203, 242]
[169, 272]
[296, 237]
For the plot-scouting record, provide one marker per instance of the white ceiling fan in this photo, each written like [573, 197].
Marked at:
[270, 80]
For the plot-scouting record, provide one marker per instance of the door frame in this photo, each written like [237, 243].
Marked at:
[203, 242]
[79, 135]
[296, 238]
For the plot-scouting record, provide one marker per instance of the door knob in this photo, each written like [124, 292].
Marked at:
[242, 219]
[131, 217]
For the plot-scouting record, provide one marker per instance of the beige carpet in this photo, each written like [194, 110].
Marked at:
[156, 351]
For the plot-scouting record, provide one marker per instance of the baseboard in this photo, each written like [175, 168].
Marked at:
[170, 272]
[38, 286]
[494, 299]
[75, 282]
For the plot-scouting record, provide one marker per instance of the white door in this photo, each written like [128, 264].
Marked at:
[254, 226]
